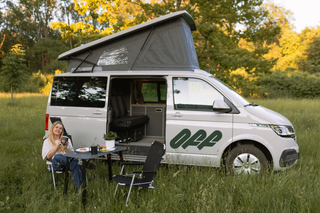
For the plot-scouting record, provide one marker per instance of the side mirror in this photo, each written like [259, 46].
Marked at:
[220, 106]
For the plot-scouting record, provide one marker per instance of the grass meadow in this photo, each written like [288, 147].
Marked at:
[26, 185]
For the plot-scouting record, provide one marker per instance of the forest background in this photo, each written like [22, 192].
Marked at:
[248, 44]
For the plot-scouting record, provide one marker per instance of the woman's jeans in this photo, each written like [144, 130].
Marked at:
[59, 163]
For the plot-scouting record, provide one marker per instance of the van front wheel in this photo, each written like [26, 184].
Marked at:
[246, 159]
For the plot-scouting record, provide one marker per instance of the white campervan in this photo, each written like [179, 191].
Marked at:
[145, 84]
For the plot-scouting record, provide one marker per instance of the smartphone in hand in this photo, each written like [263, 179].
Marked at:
[64, 140]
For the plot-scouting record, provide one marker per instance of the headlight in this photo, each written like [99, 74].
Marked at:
[283, 131]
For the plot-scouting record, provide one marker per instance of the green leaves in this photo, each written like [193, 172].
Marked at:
[280, 84]
[14, 67]
[231, 35]
[311, 62]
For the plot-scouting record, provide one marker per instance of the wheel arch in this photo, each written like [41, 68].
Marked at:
[260, 146]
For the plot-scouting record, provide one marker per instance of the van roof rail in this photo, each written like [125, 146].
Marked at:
[201, 71]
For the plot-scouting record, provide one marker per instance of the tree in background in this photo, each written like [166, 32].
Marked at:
[312, 64]
[297, 55]
[293, 51]
[98, 19]
[8, 32]
[68, 15]
[216, 39]
[310, 59]
[287, 46]
[221, 26]
[27, 23]
[237, 41]
[14, 68]
[47, 51]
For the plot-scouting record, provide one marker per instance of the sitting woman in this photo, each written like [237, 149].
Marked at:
[54, 148]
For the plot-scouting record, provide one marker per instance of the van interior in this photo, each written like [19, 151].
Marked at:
[137, 112]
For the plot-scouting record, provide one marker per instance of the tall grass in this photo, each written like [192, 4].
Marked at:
[26, 185]
[20, 95]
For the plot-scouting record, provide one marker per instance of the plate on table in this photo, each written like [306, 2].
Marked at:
[107, 150]
[84, 149]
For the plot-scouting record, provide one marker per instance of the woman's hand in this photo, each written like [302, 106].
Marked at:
[65, 145]
[66, 149]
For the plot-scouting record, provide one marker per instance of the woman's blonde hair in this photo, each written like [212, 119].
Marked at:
[50, 133]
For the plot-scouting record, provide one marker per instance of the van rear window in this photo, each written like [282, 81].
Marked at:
[154, 92]
[79, 91]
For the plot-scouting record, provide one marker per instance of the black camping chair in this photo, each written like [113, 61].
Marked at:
[143, 178]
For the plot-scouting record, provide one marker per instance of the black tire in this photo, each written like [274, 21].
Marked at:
[246, 159]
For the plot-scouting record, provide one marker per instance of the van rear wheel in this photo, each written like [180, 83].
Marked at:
[246, 159]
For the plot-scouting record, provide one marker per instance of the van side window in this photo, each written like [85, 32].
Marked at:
[79, 91]
[194, 94]
[154, 92]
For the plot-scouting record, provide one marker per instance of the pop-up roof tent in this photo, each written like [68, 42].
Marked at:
[164, 43]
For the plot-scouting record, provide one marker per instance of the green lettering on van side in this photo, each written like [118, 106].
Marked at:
[211, 140]
[180, 138]
[199, 139]
[195, 139]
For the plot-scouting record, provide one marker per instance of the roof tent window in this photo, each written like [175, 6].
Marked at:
[114, 56]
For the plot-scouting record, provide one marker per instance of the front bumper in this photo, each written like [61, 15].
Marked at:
[288, 158]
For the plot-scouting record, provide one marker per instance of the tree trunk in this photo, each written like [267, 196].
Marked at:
[42, 57]
[11, 95]
[70, 41]
[4, 37]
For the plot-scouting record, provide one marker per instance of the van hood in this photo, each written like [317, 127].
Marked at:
[270, 116]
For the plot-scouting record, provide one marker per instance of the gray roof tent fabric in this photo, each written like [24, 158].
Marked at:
[164, 43]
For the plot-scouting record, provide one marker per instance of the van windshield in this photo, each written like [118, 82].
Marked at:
[243, 101]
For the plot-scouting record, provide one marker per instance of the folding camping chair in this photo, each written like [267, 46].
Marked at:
[50, 169]
[49, 162]
[143, 178]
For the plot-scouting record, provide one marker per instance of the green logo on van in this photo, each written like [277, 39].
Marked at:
[199, 139]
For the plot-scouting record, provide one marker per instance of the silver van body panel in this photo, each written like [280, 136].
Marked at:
[87, 126]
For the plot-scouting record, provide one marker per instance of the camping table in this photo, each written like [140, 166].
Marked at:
[85, 157]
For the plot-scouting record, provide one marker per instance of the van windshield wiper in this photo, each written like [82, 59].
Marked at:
[251, 104]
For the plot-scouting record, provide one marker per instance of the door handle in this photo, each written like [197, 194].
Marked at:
[177, 115]
[97, 113]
